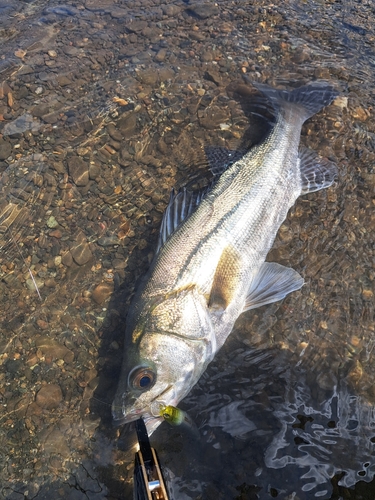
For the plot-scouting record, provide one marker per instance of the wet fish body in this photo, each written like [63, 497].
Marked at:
[211, 263]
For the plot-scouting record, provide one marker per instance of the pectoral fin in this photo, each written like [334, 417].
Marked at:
[271, 283]
[226, 279]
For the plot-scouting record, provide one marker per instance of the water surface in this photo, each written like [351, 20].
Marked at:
[104, 108]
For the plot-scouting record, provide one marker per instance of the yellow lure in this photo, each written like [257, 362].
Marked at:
[173, 415]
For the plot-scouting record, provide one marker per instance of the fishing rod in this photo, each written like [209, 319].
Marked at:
[149, 483]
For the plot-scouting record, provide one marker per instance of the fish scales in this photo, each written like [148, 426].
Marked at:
[212, 267]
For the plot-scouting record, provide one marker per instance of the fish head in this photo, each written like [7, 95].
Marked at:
[168, 347]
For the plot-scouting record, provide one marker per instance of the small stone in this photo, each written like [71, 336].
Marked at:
[367, 294]
[20, 53]
[78, 170]
[106, 241]
[63, 81]
[40, 110]
[161, 55]
[207, 56]
[102, 292]
[360, 114]
[94, 171]
[82, 151]
[52, 53]
[136, 25]
[203, 10]
[5, 149]
[51, 118]
[56, 233]
[49, 396]
[148, 76]
[31, 282]
[67, 259]
[127, 124]
[114, 133]
[118, 13]
[26, 70]
[52, 222]
[54, 350]
[43, 325]
[171, 10]
[20, 125]
[213, 76]
[56, 444]
[166, 74]
[81, 253]
[50, 283]
[341, 102]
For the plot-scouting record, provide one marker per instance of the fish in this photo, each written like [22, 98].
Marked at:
[210, 265]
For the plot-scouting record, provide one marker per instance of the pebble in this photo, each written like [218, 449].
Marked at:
[127, 124]
[171, 10]
[40, 110]
[78, 170]
[49, 396]
[56, 444]
[63, 81]
[148, 76]
[5, 149]
[106, 241]
[21, 124]
[161, 55]
[67, 259]
[203, 10]
[53, 349]
[81, 253]
[114, 133]
[102, 292]
[52, 222]
[56, 233]
[30, 283]
[118, 13]
[161, 114]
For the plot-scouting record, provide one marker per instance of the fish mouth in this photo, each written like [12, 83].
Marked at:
[129, 417]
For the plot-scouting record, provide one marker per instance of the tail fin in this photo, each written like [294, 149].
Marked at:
[310, 98]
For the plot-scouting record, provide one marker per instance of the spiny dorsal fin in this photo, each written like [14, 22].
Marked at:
[219, 159]
[181, 204]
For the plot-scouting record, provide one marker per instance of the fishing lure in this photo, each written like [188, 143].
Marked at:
[171, 414]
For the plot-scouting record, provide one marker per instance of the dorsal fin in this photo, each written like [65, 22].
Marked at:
[181, 204]
[219, 159]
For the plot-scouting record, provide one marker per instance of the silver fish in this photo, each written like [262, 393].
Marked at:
[211, 267]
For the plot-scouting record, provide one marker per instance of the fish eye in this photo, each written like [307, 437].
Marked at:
[142, 379]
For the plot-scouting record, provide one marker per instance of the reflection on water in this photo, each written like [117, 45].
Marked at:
[104, 107]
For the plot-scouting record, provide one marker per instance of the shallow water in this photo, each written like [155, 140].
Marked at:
[104, 107]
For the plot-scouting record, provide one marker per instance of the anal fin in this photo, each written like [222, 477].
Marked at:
[316, 172]
[226, 279]
[271, 283]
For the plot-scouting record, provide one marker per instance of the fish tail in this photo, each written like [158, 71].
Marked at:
[309, 99]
